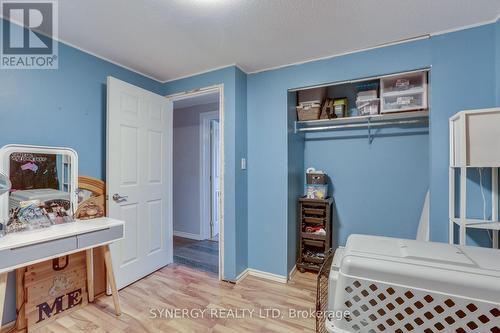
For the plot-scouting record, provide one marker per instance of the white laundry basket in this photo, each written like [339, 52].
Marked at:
[398, 285]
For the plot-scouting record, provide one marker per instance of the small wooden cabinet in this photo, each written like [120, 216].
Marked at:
[314, 214]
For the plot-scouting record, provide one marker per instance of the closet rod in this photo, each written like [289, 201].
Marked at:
[377, 124]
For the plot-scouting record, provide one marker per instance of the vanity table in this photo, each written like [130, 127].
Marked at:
[40, 229]
[26, 248]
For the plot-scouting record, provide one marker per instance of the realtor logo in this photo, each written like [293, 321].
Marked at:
[29, 35]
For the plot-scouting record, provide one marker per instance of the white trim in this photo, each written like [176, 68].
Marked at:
[262, 275]
[194, 92]
[213, 69]
[60, 40]
[162, 81]
[336, 55]
[110, 61]
[220, 89]
[242, 276]
[406, 40]
[465, 27]
[292, 272]
[188, 235]
[205, 167]
[268, 276]
[222, 181]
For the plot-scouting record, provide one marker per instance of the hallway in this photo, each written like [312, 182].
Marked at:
[202, 255]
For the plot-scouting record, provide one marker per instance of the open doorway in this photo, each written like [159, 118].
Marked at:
[197, 180]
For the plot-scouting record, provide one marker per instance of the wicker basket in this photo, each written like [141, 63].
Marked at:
[308, 112]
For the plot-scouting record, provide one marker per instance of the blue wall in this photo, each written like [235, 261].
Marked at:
[267, 140]
[30, 101]
[235, 148]
[379, 188]
[241, 175]
[462, 77]
[258, 205]
[64, 107]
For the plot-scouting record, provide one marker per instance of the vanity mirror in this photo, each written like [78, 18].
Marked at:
[4, 184]
[43, 186]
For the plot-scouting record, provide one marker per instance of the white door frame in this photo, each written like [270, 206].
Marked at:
[205, 168]
[219, 88]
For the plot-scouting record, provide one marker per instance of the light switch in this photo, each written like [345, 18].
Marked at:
[243, 164]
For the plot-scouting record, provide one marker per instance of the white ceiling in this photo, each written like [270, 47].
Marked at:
[168, 39]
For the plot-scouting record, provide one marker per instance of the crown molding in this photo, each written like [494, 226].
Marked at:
[154, 78]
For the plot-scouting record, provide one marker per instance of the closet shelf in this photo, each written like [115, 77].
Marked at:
[379, 120]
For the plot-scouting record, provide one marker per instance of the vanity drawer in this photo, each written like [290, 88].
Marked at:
[100, 237]
[29, 253]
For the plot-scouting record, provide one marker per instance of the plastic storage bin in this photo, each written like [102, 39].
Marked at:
[403, 92]
[316, 191]
[399, 285]
[403, 102]
[367, 107]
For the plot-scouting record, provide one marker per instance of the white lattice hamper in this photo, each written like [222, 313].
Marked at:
[399, 285]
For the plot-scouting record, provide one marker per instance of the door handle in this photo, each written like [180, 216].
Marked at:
[119, 198]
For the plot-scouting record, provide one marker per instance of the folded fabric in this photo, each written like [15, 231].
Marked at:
[320, 232]
[314, 229]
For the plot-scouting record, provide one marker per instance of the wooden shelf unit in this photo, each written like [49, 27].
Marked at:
[314, 213]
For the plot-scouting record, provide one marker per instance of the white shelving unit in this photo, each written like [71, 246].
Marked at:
[474, 143]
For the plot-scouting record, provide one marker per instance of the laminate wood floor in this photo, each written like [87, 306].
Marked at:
[180, 287]
[203, 254]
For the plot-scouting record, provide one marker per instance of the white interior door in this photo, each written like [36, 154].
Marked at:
[139, 177]
[215, 176]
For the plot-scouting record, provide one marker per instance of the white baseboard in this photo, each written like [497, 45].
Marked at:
[292, 272]
[261, 274]
[188, 235]
[242, 275]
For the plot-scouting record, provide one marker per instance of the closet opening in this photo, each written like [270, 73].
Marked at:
[367, 143]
